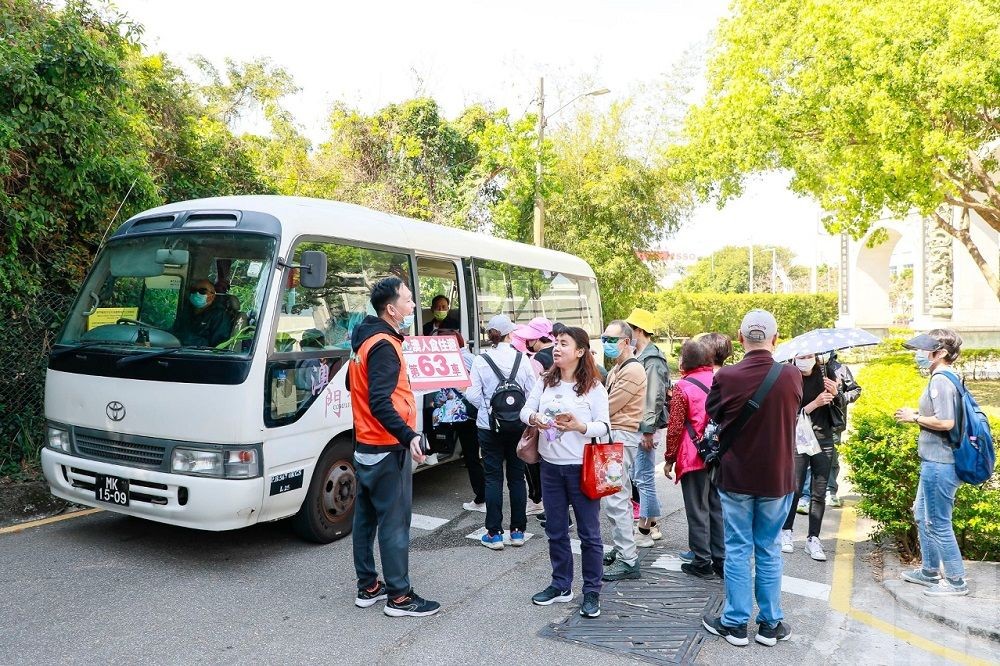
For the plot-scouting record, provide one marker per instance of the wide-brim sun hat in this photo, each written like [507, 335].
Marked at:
[539, 327]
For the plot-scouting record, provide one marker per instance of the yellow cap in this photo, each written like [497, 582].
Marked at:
[643, 319]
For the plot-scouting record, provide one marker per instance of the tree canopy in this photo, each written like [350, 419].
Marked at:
[875, 106]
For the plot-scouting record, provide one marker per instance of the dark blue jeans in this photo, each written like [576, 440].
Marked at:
[385, 495]
[498, 451]
[560, 489]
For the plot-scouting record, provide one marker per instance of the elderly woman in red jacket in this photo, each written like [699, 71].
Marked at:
[685, 426]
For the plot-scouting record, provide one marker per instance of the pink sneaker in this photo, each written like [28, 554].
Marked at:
[635, 510]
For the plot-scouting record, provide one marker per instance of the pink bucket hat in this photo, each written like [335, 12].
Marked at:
[539, 327]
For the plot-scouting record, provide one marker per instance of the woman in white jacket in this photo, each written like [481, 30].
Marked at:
[570, 407]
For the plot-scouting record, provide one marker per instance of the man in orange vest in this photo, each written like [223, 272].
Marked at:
[385, 418]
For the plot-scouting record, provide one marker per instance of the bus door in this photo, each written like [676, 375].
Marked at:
[441, 301]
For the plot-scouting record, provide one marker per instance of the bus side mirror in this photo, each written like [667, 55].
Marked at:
[312, 269]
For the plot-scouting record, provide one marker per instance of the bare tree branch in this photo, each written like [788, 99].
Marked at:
[989, 214]
[984, 178]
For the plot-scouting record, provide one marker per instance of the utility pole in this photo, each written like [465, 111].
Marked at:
[539, 222]
[751, 268]
[774, 269]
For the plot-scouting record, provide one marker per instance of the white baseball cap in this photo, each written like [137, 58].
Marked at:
[759, 326]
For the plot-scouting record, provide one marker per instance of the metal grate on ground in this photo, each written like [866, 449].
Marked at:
[656, 619]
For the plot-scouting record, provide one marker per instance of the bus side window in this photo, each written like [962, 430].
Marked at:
[493, 294]
[318, 320]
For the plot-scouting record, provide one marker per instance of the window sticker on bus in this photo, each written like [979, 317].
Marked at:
[286, 481]
[104, 316]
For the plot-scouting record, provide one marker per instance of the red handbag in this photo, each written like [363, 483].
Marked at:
[603, 468]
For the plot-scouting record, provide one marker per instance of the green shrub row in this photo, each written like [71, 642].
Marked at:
[885, 468]
[684, 314]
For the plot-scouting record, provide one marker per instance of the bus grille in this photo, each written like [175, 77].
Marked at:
[119, 452]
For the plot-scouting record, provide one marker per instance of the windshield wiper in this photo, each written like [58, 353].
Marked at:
[122, 362]
[83, 345]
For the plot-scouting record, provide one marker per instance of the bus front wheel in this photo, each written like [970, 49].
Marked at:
[327, 512]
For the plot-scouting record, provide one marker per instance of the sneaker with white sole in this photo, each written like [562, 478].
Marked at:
[492, 541]
[552, 595]
[517, 538]
[814, 549]
[921, 577]
[643, 540]
[534, 508]
[591, 605]
[734, 635]
[654, 532]
[948, 588]
[411, 604]
[833, 500]
[786, 542]
[769, 636]
[474, 506]
[368, 597]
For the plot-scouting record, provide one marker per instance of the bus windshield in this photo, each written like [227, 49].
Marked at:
[189, 292]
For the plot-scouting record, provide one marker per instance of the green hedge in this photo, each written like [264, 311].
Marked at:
[683, 314]
[885, 468]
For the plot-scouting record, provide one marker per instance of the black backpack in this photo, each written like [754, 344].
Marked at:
[507, 401]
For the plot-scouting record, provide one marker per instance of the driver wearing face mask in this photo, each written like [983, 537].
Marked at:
[202, 321]
[440, 319]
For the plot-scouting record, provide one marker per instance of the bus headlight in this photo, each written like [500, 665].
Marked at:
[58, 439]
[241, 464]
[194, 461]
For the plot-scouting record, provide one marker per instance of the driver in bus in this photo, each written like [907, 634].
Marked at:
[201, 321]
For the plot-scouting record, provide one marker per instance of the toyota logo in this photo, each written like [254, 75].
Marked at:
[115, 410]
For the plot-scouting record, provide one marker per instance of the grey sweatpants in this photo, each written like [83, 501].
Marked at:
[706, 535]
[383, 504]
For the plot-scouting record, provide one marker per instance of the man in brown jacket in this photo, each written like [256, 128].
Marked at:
[626, 399]
[756, 482]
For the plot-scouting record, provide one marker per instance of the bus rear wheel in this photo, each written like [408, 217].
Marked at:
[327, 513]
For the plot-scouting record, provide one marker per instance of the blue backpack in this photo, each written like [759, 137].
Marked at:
[971, 437]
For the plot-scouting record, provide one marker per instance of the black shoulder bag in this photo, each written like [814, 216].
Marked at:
[713, 444]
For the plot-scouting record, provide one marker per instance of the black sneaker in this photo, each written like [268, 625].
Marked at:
[700, 570]
[720, 569]
[541, 519]
[412, 605]
[610, 557]
[734, 635]
[591, 604]
[552, 595]
[371, 596]
[768, 635]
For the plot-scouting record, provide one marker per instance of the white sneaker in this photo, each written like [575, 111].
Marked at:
[815, 549]
[654, 532]
[473, 506]
[534, 508]
[643, 540]
[786, 542]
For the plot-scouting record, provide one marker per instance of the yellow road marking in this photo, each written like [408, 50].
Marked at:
[843, 584]
[20, 527]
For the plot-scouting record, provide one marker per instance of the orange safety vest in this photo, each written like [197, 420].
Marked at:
[367, 428]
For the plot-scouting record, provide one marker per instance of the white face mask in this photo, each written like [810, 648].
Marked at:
[805, 364]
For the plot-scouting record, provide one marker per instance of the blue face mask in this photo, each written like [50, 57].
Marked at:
[198, 300]
[611, 350]
[923, 359]
[407, 323]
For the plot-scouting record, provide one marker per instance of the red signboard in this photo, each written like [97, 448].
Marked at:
[434, 362]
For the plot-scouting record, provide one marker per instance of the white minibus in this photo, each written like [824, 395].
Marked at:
[199, 378]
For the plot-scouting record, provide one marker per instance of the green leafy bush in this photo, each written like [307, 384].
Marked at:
[885, 468]
[684, 314]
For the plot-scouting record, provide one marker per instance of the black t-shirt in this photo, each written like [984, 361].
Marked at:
[206, 328]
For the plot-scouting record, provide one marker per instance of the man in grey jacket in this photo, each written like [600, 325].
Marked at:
[654, 418]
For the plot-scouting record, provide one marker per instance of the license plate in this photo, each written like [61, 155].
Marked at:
[111, 489]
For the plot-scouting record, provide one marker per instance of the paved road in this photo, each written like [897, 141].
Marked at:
[103, 587]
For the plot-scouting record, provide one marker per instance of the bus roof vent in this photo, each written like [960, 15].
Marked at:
[212, 218]
[153, 223]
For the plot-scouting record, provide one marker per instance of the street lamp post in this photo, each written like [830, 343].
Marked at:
[751, 268]
[774, 268]
[539, 219]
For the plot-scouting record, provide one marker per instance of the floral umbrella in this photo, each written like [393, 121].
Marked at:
[823, 340]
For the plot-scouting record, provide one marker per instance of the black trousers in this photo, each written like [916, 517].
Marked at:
[468, 437]
[706, 534]
[533, 474]
[382, 506]
[819, 467]
[500, 452]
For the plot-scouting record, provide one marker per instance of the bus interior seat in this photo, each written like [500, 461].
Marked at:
[231, 303]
